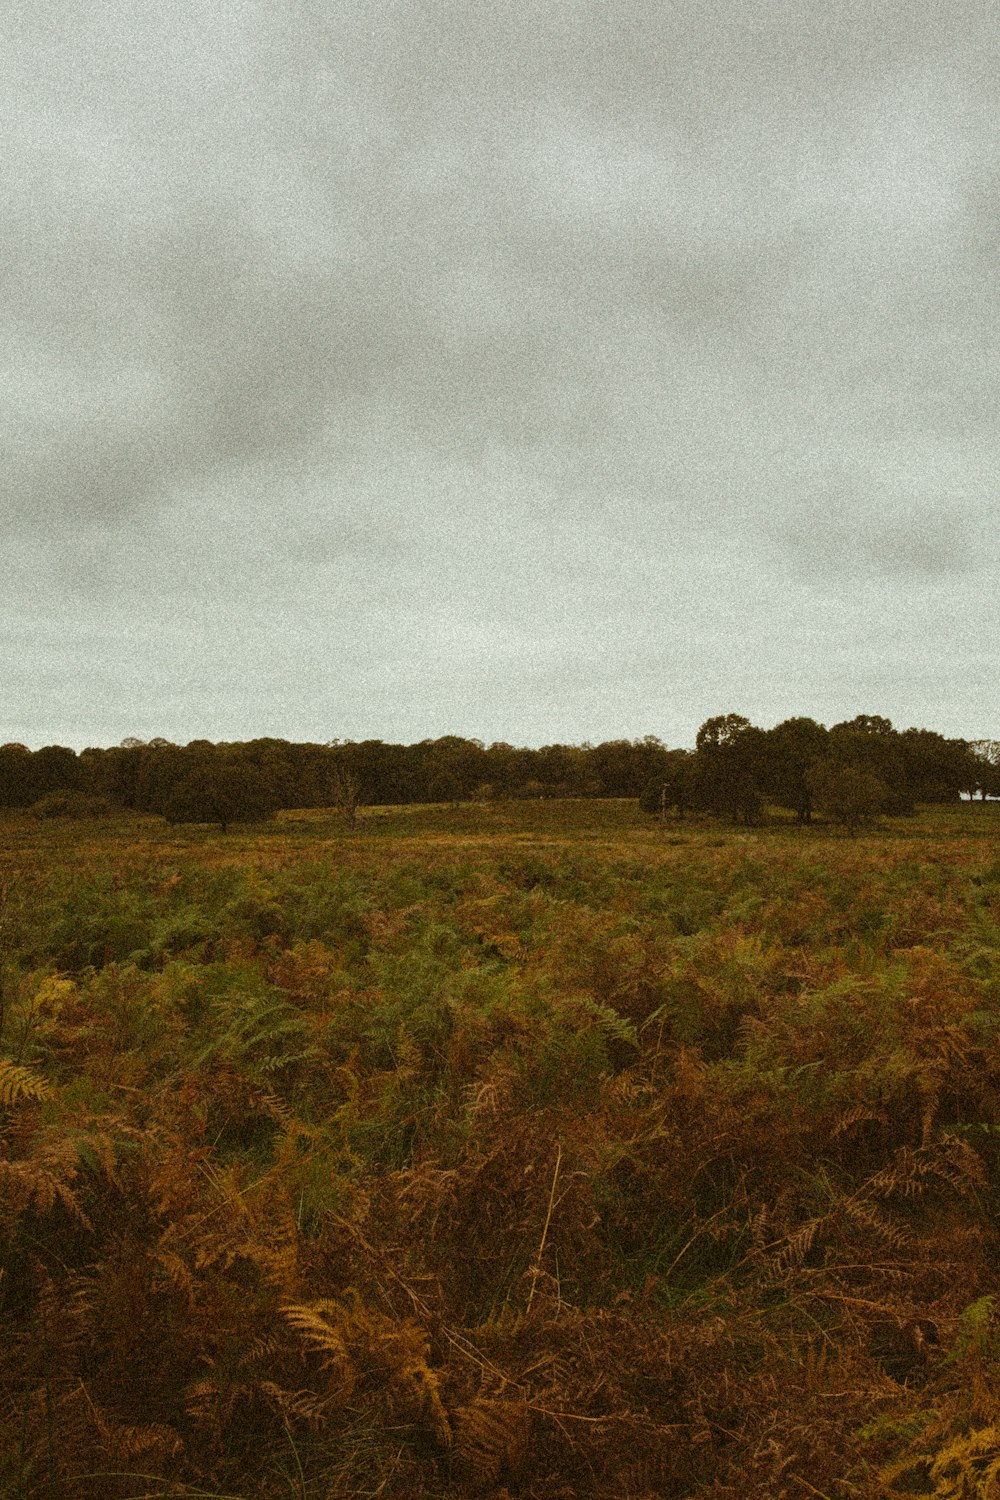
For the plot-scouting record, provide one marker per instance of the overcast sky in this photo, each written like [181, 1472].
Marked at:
[528, 371]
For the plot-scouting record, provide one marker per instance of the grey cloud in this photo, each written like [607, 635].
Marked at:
[915, 546]
[586, 320]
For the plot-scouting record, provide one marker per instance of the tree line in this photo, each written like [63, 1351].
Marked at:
[248, 780]
[852, 771]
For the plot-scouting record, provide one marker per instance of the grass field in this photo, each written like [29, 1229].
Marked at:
[526, 1148]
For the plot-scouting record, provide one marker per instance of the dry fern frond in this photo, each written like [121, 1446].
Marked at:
[968, 1464]
[857, 1116]
[959, 1164]
[299, 1406]
[797, 1245]
[950, 1160]
[317, 1324]
[29, 1184]
[491, 1442]
[883, 1229]
[177, 1273]
[313, 1322]
[965, 1467]
[17, 1082]
[150, 1441]
[359, 1343]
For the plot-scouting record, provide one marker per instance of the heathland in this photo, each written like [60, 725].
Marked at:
[538, 1148]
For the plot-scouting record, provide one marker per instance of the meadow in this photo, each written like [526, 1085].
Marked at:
[518, 1149]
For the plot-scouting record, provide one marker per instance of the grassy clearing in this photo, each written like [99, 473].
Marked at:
[526, 1147]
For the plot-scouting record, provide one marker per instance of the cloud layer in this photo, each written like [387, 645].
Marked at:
[528, 372]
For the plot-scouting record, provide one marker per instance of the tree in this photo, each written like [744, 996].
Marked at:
[563, 770]
[465, 762]
[54, 768]
[15, 775]
[444, 787]
[937, 769]
[869, 743]
[847, 794]
[71, 804]
[223, 792]
[730, 757]
[792, 748]
[983, 769]
[625, 767]
[673, 787]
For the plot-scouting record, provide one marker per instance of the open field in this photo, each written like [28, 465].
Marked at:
[523, 1147]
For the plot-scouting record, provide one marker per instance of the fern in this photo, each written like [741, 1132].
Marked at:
[797, 1245]
[17, 1082]
[968, 1465]
[610, 1022]
[883, 1229]
[318, 1326]
[977, 1332]
[491, 1442]
[260, 1033]
[32, 1185]
[965, 1467]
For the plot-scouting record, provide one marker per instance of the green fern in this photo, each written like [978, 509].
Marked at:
[260, 1034]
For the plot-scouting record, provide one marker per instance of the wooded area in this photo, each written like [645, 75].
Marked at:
[851, 772]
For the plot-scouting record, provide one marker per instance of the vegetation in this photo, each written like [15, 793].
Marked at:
[527, 1147]
[735, 771]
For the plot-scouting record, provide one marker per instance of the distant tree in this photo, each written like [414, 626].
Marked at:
[222, 792]
[869, 743]
[465, 761]
[983, 769]
[71, 804]
[865, 724]
[653, 797]
[937, 769]
[847, 794]
[272, 760]
[563, 770]
[159, 770]
[15, 775]
[791, 749]
[444, 787]
[624, 768]
[503, 768]
[730, 755]
[53, 769]
[534, 790]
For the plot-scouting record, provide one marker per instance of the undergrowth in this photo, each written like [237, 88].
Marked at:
[598, 1161]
